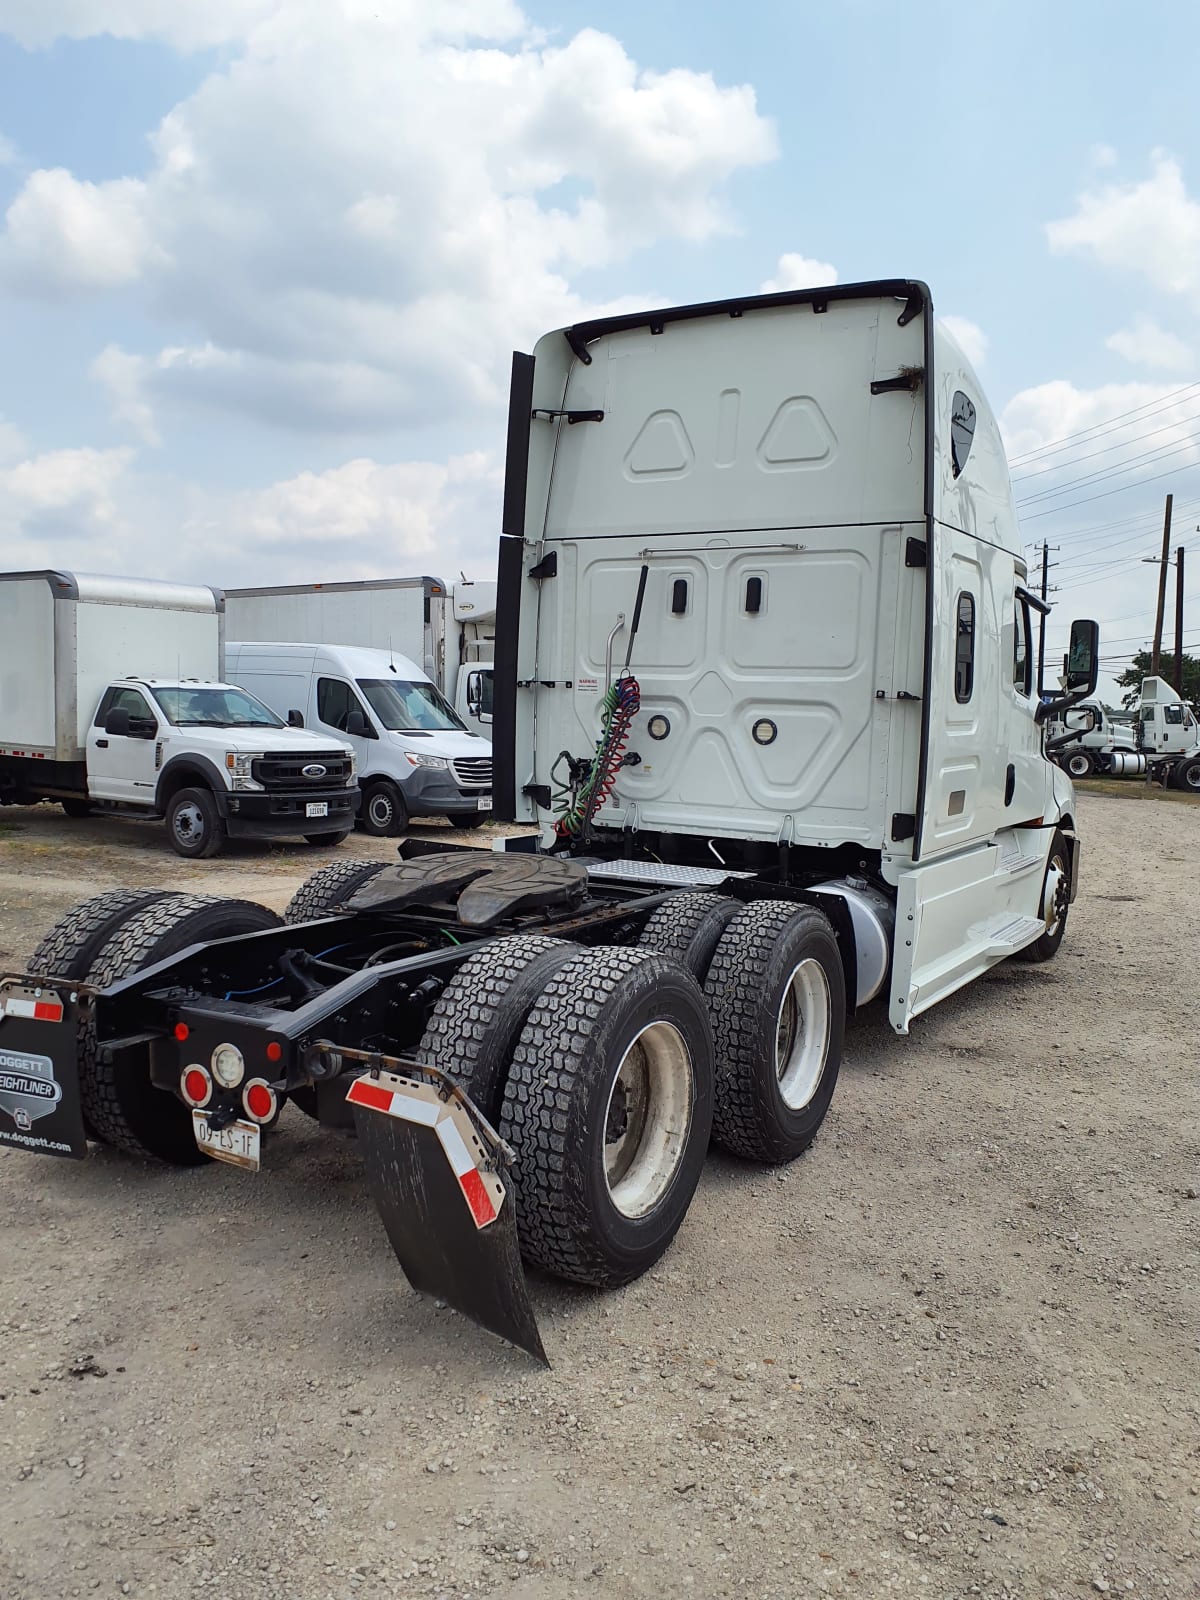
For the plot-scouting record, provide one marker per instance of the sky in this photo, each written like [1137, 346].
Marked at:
[263, 262]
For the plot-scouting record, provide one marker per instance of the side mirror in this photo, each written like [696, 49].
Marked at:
[295, 719]
[1083, 658]
[142, 728]
[357, 725]
[474, 693]
[117, 721]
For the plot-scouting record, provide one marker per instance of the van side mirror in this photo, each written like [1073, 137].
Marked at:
[474, 693]
[117, 722]
[357, 725]
[295, 719]
[1083, 658]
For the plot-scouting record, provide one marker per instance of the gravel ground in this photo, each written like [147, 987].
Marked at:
[951, 1351]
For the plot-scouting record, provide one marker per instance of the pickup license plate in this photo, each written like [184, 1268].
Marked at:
[484, 803]
[237, 1142]
[317, 808]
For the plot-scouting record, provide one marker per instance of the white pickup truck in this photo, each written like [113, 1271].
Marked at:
[111, 699]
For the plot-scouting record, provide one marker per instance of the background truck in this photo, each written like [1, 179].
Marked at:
[449, 632]
[111, 699]
[764, 679]
[1162, 743]
[416, 758]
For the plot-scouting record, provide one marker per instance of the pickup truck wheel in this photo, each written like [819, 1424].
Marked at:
[688, 927]
[1187, 775]
[327, 839]
[327, 889]
[474, 1028]
[608, 1107]
[76, 808]
[119, 1100]
[383, 813]
[777, 999]
[1079, 764]
[194, 824]
[1055, 903]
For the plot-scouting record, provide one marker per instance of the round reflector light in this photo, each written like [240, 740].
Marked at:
[274, 1050]
[181, 1031]
[196, 1085]
[228, 1066]
[259, 1100]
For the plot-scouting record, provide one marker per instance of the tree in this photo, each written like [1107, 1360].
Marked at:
[1131, 679]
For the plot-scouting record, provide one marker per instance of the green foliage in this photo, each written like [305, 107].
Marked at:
[1131, 679]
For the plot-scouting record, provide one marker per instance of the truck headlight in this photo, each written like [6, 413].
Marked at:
[352, 771]
[426, 761]
[237, 763]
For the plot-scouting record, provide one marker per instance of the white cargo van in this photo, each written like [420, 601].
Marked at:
[416, 757]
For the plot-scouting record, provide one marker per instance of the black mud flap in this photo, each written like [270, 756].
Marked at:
[434, 1166]
[39, 1074]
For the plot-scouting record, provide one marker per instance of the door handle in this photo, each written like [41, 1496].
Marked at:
[101, 744]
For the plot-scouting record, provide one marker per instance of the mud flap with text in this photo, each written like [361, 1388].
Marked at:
[434, 1170]
[39, 1077]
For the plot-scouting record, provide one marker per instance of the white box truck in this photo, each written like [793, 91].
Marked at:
[765, 680]
[112, 699]
[415, 756]
[449, 631]
[1163, 742]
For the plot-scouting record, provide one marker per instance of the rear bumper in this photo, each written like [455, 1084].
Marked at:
[272, 815]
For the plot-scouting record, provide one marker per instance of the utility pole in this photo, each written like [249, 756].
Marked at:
[1156, 653]
[1042, 619]
[1180, 621]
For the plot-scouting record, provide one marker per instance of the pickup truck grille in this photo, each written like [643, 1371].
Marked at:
[286, 771]
[473, 772]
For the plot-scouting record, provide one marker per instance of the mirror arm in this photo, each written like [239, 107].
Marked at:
[1051, 708]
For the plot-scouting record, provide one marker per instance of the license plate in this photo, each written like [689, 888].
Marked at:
[484, 803]
[237, 1142]
[317, 808]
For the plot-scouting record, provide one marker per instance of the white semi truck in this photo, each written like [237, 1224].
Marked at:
[764, 680]
[449, 631]
[1163, 743]
[112, 699]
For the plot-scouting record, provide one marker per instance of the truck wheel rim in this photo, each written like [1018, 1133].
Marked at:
[802, 1033]
[1077, 766]
[1053, 899]
[1191, 776]
[188, 823]
[380, 810]
[647, 1118]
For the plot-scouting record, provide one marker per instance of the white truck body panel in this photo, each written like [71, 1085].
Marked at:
[772, 469]
[64, 637]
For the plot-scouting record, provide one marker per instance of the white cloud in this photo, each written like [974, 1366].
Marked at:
[1148, 345]
[9, 154]
[969, 337]
[66, 502]
[13, 443]
[1103, 156]
[63, 234]
[123, 375]
[1053, 411]
[1151, 227]
[182, 23]
[799, 272]
[358, 217]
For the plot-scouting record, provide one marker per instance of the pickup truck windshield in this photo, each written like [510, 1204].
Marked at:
[188, 707]
[410, 707]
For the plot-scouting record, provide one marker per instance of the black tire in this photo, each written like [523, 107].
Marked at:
[327, 839]
[76, 808]
[559, 1105]
[475, 819]
[194, 824]
[688, 928]
[747, 990]
[384, 813]
[1079, 764]
[119, 1101]
[474, 1028]
[73, 943]
[320, 895]
[1187, 775]
[1046, 945]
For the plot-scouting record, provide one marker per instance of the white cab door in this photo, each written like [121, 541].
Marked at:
[124, 766]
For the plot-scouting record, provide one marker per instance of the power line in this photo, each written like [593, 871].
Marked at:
[1123, 488]
[1161, 453]
[1053, 446]
[1136, 438]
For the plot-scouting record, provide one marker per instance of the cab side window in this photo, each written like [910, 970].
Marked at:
[964, 648]
[1022, 650]
[1173, 716]
[335, 702]
[122, 699]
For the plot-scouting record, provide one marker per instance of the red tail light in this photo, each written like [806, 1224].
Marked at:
[259, 1100]
[196, 1086]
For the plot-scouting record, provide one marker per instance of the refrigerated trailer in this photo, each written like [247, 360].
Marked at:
[764, 683]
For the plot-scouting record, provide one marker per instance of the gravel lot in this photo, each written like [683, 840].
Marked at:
[953, 1350]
